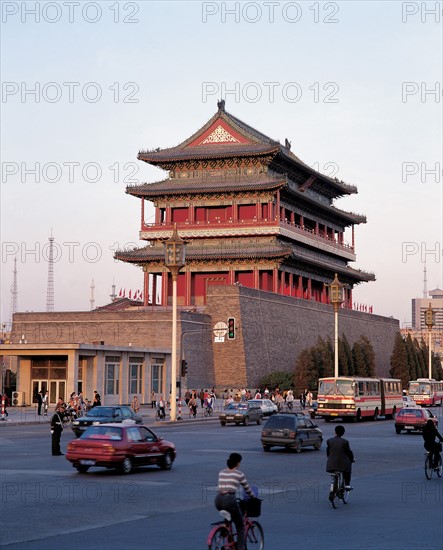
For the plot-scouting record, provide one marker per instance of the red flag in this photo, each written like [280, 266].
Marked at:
[120, 294]
[130, 294]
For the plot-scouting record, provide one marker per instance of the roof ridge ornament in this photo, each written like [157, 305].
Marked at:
[287, 144]
[221, 106]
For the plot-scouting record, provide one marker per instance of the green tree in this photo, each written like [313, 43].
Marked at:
[278, 379]
[369, 355]
[399, 361]
[411, 359]
[306, 374]
[359, 359]
[346, 364]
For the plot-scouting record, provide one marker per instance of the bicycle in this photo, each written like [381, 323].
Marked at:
[338, 489]
[208, 411]
[429, 467]
[223, 536]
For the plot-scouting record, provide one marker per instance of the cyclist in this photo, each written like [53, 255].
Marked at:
[340, 456]
[229, 480]
[161, 408]
[430, 433]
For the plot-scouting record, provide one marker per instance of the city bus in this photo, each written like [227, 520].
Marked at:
[426, 391]
[358, 397]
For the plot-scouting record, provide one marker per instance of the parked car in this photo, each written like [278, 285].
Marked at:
[120, 446]
[241, 413]
[290, 430]
[102, 415]
[413, 419]
[266, 405]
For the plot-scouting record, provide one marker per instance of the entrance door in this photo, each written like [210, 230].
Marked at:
[37, 386]
[56, 390]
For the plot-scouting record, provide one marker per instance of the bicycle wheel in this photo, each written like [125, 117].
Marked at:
[254, 536]
[220, 539]
[346, 495]
[439, 467]
[334, 492]
[428, 469]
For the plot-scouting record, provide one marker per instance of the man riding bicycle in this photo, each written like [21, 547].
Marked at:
[229, 480]
[430, 434]
[340, 456]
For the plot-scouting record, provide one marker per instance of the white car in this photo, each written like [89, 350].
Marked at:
[267, 406]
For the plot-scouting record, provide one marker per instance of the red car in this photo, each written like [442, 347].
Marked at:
[120, 446]
[413, 418]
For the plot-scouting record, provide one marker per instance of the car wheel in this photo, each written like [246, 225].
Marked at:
[222, 422]
[259, 420]
[358, 415]
[317, 445]
[376, 414]
[77, 435]
[82, 469]
[246, 421]
[166, 463]
[126, 466]
[297, 446]
[266, 448]
[327, 419]
[398, 430]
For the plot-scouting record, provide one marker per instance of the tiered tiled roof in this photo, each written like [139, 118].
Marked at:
[225, 136]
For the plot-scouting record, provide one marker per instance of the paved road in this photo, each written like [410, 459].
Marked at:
[393, 505]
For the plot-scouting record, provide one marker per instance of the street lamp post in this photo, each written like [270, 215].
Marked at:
[336, 297]
[175, 252]
[430, 322]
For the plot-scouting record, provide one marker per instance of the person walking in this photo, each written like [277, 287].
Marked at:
[46, 403]
[340, 456]
[135, 405]
[39, 402]
[56, 430]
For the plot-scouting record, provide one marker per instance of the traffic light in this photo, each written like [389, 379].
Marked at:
[184, 368]
[231, 328]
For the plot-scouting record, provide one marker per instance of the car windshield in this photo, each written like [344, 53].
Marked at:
[101, 411]
[102, 432]
[231, 407]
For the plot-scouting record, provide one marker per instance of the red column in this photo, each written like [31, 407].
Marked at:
[143, 214]
[256, 278]
[300, 286]
[277, 212]
[165, 277]
[291, 284]
[188, 276]
[145, 288]
[154, 289]
[231, 277]
[275, 280]
[293, 218]
[309, 289]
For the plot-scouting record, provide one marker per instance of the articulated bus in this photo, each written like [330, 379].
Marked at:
[357, 398]
[426, 391]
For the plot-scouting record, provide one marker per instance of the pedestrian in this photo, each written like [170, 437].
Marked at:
[97, 401]
[302, 400]
[135, 405]
[39, 402]
[46, 403]
[153, 400]
[56, 430]
[202, 397]
[193, 406]
[187, 397]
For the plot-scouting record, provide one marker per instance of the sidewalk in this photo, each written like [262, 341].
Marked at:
[28, 415]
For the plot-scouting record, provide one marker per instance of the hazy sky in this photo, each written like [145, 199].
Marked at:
[355, 86]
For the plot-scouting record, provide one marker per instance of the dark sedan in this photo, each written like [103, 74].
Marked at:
[102, 415]
[241, 413]
[120, 446]
[291, 430]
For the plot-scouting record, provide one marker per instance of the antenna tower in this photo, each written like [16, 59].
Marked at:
[113, 295]
[92, 299]
[50, 287]
[14, 294]
[425, 284]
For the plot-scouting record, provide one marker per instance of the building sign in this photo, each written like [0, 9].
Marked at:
[220, 330]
